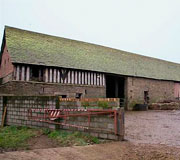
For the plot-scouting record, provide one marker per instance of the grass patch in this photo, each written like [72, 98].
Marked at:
[72, 139]
[15, 137]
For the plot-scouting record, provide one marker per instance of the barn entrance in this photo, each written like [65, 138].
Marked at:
[115, 87]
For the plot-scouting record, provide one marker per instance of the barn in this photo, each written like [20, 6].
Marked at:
[38, 64]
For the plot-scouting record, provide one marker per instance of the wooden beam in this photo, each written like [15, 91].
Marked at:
[46, 75]
[4, 116]
[104, 81]
[75, 81]
[69, 77]
[80, 80]
[58, 76]
[50, 75]
[54, 79]
[95, 79]
[92, 79]
[82, 76]
[85, 78]
[72, 77]
[89, 78]
[17, 73]
[98, 78]
[27, 73]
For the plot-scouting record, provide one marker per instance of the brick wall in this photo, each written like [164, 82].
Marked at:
[6, 66]
[102, 126]
[158, 90]
[51, 89]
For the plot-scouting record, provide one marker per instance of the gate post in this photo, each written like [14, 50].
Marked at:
[57, 107]
[120, 123]
[4, 110]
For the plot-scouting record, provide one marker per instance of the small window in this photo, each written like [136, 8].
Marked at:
[78, 95]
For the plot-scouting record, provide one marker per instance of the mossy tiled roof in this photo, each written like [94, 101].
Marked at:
[35, 48]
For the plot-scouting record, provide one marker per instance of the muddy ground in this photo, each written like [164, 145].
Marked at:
[150, 135]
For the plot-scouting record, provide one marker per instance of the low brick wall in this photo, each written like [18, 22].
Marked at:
[102, 126]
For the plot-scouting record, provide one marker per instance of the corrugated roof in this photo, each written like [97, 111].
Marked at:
[35, 48]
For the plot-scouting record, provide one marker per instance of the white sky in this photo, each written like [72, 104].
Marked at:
[147, 27]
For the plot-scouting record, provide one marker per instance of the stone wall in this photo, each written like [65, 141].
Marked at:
[102, 126]
[50, 89]
[157, 90]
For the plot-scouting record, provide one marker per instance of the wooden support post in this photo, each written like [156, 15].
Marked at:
[82, 76]
[79, 77]
[69, 77]
[23, 73]
[50, 75]
[4, 111]
[95, 82]
[72, 77]
[120, 123]
[89, 78]
[85, 78]
[104, 82]
[40, 75]
[98, 79]
[75, 77]
[65, 77]
[92, 79]
[58, 76]
[46, 75]
[3, 117]
[17, 73]
[54, 79]
[27, 73]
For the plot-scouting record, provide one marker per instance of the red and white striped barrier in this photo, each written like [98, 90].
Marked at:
[63, 110]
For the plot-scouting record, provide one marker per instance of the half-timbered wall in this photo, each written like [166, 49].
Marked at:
[21, 73]
[58, 75]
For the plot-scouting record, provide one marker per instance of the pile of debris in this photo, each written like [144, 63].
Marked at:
[165, 105]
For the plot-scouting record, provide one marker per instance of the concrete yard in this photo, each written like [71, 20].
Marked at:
[149, 135]
[153, 127]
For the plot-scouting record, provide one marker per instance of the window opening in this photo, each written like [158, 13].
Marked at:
[78, 95]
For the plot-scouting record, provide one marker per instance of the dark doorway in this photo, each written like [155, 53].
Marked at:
[146, 97]
[37, 73]
[115, 87]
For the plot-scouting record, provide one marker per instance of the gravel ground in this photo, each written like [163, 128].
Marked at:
[150, 135]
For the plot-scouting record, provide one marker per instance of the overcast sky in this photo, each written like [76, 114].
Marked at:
[147, 27]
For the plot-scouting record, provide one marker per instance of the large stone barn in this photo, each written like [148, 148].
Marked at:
[39, 64]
